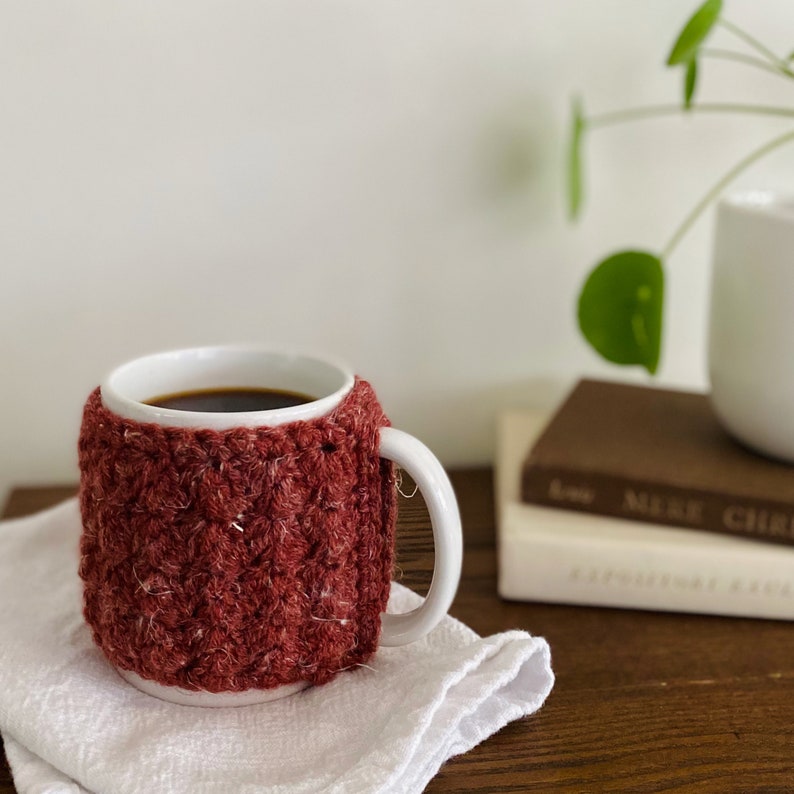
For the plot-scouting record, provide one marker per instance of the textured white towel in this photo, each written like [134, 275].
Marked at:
[71, 724]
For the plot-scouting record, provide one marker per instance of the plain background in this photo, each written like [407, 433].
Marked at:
[377, 179]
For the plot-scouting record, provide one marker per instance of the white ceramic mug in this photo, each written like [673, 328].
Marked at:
[750, 353]
[126, 389]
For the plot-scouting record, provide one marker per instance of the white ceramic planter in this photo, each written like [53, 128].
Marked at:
[751, 331]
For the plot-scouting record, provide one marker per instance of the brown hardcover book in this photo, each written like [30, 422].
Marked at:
[656, 455]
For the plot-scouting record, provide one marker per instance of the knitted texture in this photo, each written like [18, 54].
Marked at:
[237, 559]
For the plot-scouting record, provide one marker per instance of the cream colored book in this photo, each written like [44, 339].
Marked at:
[566, 557]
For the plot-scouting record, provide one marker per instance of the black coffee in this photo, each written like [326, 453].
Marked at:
[227, 401]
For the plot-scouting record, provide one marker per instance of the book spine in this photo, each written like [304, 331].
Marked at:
[658, 503]
[542, 560]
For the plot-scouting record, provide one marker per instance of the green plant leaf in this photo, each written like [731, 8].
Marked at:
[695, 31]
[620, 308]
[575, 159]
[690, 82]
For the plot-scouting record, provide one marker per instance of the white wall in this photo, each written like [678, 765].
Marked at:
[377, 178]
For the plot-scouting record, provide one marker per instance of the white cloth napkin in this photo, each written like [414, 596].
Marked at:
[71, 724]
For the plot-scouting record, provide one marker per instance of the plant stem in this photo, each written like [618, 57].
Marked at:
[719, 186]
[652, 111]
[740, 57]
[755, 44]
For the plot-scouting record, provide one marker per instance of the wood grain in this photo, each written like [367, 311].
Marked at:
[644, 702]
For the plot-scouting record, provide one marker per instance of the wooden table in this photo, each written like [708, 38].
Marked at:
[643, 702]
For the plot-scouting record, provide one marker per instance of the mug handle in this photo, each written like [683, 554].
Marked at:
[412, 455]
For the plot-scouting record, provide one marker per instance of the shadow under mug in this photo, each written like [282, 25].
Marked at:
[126, 390]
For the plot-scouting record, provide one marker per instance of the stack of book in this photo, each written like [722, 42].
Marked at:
[632, 496]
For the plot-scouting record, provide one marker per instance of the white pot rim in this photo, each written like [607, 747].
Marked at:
[761, 202]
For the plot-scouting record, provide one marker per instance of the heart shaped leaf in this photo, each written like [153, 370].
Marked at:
[575, 160]
[695, 31]
[690, 82]
[620, 308]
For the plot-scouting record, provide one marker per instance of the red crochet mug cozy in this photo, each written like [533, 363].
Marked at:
[239, 559]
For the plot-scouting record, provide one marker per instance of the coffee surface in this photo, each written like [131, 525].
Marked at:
[230, 400]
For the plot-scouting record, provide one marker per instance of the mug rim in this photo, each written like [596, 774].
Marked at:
[123, 404]
[760, 202]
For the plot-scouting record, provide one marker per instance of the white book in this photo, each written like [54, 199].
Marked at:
[569, 557]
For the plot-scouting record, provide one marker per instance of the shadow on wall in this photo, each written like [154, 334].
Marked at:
[454, 423]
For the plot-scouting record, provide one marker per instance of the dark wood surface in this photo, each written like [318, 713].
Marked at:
[644, 702]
